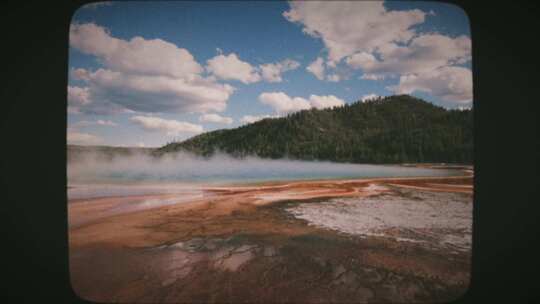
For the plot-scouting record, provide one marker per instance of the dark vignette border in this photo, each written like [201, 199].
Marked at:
[32, 163]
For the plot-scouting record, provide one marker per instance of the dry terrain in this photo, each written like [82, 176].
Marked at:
[302, 241]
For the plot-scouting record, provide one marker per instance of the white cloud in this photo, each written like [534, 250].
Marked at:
[333, 77]
[169, 127]
[369, 97]
[452, 84]
[78, 96]
[372, 77]
[254, 118]
[348, 27]
[158, 93]
[138, 55]
[78, 138]
[143, 75]
[215, 118]
[362, 60]
[317, 68]
[106, 123]
[80, 74]
[271, 72]
[231, 67]
[99, 122]
[155, 76]
[283, 104]
[322, 102]
[423, 54]
[384, 43]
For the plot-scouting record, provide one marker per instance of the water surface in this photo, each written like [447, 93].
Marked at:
[181, 173]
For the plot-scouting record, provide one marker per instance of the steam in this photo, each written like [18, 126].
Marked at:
[185, 167]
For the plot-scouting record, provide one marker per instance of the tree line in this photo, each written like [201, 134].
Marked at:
[393, 129]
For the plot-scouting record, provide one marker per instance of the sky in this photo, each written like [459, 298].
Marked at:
[149, 73]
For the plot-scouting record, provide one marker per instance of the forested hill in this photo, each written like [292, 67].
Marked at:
[393, 129]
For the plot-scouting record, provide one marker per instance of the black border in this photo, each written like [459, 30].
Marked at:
[32, 161]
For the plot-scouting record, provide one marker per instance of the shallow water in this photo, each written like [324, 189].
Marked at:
[117, 189]
[128, 176]
[186, 168]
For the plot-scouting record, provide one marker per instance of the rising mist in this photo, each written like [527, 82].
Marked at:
[185, 167]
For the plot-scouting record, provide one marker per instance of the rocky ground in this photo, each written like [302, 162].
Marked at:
[253, 252]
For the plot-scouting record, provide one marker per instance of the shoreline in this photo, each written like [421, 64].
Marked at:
[466, 170]
[227, 199]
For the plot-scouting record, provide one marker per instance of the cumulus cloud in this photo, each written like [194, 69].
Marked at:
[215, 118]
[80, 74]
[383, 43]
[254, 118]
[347, 27]
[99, 122]
[333, 78]
[271, 72]
[156, 76]
[284, 104]
[146, 75]
[362, 60]
[369, 97]
[231, 67]
[79, 138]
[322, 102]
[372, 76]
[448, 83]
[169, 127]
[138, 55]
[317, 68]
[423, 54]
[106, 123]
[78, 96]
[145, 93]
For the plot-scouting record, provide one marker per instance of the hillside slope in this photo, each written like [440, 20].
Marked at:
[393, 129]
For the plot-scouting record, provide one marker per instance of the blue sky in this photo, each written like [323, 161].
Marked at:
[147, 73]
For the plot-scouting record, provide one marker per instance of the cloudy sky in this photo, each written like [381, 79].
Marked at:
[147, 73]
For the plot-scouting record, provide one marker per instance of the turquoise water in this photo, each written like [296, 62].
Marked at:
[187, 175]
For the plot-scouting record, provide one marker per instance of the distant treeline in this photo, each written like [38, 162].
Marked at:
[393, 129]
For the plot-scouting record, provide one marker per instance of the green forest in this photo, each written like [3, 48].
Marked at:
[393, 129]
